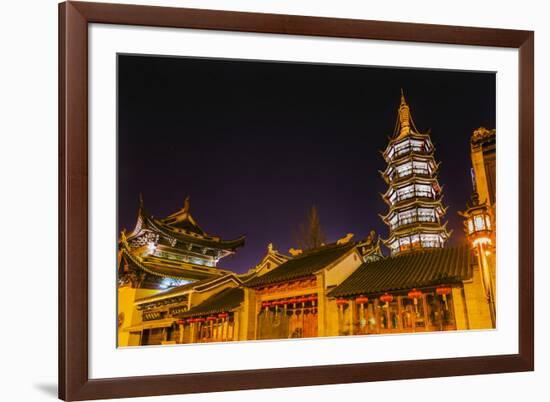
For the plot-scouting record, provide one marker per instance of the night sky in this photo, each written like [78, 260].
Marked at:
[255, 144]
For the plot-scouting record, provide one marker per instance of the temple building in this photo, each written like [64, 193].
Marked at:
[414, 195]
[172, 291]
[480, 213]
[290, 301]
[483, 154]
[160, 313]
[160, 254]
[410, 292]
[429, 287]
[207, 310]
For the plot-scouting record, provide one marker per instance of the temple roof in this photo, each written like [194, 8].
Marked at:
[273, 258]
[183, 228]
[404, 272]
[226, 300]
[167, 268]
[201, 285]
[182, 219]
[303, 265]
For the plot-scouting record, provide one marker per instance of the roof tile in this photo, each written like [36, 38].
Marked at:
[303, 265]
[414, 270]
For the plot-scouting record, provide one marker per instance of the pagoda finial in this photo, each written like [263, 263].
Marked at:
[186, 204]
[404, 117]
[140, 199]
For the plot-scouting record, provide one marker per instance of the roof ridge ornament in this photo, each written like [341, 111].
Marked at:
[345, 240]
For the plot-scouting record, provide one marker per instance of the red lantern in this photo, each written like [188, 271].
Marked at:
[266, 304]
[386, 298]
[443, 290]
[222, 315]
[200, 319]
[293, 301]
[303, 299]
[341, 302]
[211, 318]
[190, 320]
[361, 299]
[181, 322]
[415, 295]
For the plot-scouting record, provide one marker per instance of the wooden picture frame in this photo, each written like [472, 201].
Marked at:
[74, 381]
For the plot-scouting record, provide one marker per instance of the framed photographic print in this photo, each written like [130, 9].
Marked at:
[257, 201]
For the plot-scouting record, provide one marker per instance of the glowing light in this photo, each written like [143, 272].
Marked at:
[481, 241]
[151, 247]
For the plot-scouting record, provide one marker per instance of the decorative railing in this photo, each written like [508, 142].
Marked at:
[411, 220]
[412, 194]
[409, 172]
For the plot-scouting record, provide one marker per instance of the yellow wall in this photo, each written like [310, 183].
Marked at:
[460, 310]
[247, 316]
[126, 297]
[479, 314]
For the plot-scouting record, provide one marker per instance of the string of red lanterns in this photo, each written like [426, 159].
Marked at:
[294, 300]
[386, 298]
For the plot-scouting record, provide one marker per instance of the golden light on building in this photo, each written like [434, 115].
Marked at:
[171, 289]
[414, 196]
[479, 232]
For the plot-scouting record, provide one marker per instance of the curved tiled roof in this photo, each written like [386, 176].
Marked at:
[303, 265]
[200, 240]
[226, 300]
[407, 271]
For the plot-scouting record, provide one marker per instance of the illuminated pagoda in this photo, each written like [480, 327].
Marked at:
[414, 195]
[162, 253]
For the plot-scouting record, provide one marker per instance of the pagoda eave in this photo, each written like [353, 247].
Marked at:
[409, 202]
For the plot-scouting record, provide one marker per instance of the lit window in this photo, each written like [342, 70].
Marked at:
[470, 226]
[478, 223]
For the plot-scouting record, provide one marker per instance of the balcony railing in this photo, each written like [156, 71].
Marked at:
[406, 150]
[412, 194]
[411, 220]
[408, 172]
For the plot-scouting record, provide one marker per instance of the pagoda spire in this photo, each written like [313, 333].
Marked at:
[404, 117]
[186, 205]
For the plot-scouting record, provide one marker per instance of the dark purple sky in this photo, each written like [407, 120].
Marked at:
[255, 144]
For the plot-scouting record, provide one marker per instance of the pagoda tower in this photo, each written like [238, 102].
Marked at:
[414, 196]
